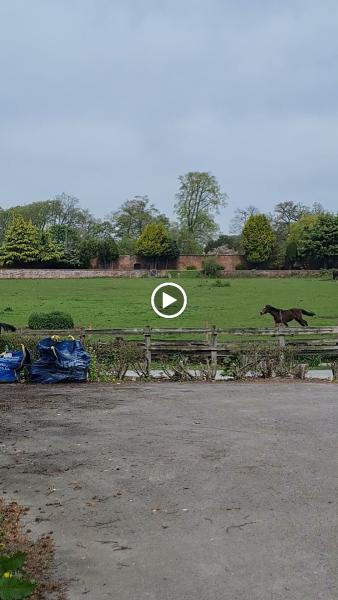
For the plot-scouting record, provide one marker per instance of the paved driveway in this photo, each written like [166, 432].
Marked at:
[179, 491]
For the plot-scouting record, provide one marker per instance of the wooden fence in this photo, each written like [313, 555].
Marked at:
[211, 343]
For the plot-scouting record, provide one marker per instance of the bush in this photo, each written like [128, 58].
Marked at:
[111, 359]
[220, 284]
[52, 320]
[261, 360]
[210, 268]
[12, 341]
[191, 268]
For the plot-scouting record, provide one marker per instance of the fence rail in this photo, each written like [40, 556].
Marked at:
[304, 341]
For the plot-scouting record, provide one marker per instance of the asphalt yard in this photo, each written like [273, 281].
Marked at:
[171, 491]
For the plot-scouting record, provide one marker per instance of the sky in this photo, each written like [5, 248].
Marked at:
[107, 99]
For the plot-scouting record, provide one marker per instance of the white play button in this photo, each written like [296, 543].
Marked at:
[161, 300]
[167, 300]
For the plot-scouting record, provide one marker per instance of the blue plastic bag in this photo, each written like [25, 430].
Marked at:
[10, 365]
[60, 362]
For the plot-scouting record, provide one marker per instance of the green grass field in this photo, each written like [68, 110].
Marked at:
[126, 302]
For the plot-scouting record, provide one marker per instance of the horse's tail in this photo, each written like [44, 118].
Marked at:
[306, 312]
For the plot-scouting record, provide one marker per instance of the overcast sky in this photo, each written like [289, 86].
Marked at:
[106, 99]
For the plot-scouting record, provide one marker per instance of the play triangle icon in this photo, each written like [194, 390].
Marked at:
[167, 300]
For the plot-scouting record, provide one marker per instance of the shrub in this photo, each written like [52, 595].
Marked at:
[220, 284]
[13, 342]
[260, 360]
[191, 268]
[113, 358]
[52, 320]
[210, 268]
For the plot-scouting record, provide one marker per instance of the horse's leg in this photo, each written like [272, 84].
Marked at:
[302, 322]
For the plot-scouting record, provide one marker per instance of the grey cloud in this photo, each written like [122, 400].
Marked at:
[109, 99]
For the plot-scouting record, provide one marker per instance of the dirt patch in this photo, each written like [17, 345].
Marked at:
[40, 554]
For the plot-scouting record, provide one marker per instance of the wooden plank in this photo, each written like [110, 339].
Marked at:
[275, 331]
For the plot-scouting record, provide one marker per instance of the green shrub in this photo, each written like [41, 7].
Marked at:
[111, 359]
[191, 268]
[220, 284]
[13, 341]
[52, 320]
[211, 268]
[240, 267]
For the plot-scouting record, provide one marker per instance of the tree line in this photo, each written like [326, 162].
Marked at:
[59, 232]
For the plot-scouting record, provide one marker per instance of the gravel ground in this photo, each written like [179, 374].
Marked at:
[179, 491]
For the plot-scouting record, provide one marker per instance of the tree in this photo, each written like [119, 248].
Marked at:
[198, 199]
[69, 239]
[127, 245]
[240, 218]
[154, 242]
[66, 211]
[22, 243]
[258, 239]
[132, 217]
[287, 213]
[186, 240]
[107, 251]
[319, 243]
[50, 251]
[298, 231]
[101, 230]
[88, 249]
[232, 241]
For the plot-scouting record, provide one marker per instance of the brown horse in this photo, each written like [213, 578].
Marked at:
[282, 316]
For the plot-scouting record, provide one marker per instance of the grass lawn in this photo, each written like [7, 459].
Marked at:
[126, 302]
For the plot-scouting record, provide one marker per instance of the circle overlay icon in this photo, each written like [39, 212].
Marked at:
[164, 291]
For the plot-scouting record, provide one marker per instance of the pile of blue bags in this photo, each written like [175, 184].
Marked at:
[59, 361]
[11, 363]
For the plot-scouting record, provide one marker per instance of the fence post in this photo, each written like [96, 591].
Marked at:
[147, 348]
[213, 344]
[281, 342]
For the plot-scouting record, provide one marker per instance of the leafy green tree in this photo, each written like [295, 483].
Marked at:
[66, 211]
[154, 242]
[173, 251]
[88, 250]
[319, 244]
[101, 230]
[22, 244]
[69, 239]
[107, 251]
[186, 240]
[50, 250]
[132, 217]
[232, 241]
[258, 239]
[199, 198]
[127, 245]
[298, 231]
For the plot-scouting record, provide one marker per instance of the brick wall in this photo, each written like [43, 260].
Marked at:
[229, 262]
[65, 273]
[91, 273]
[128, 262]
